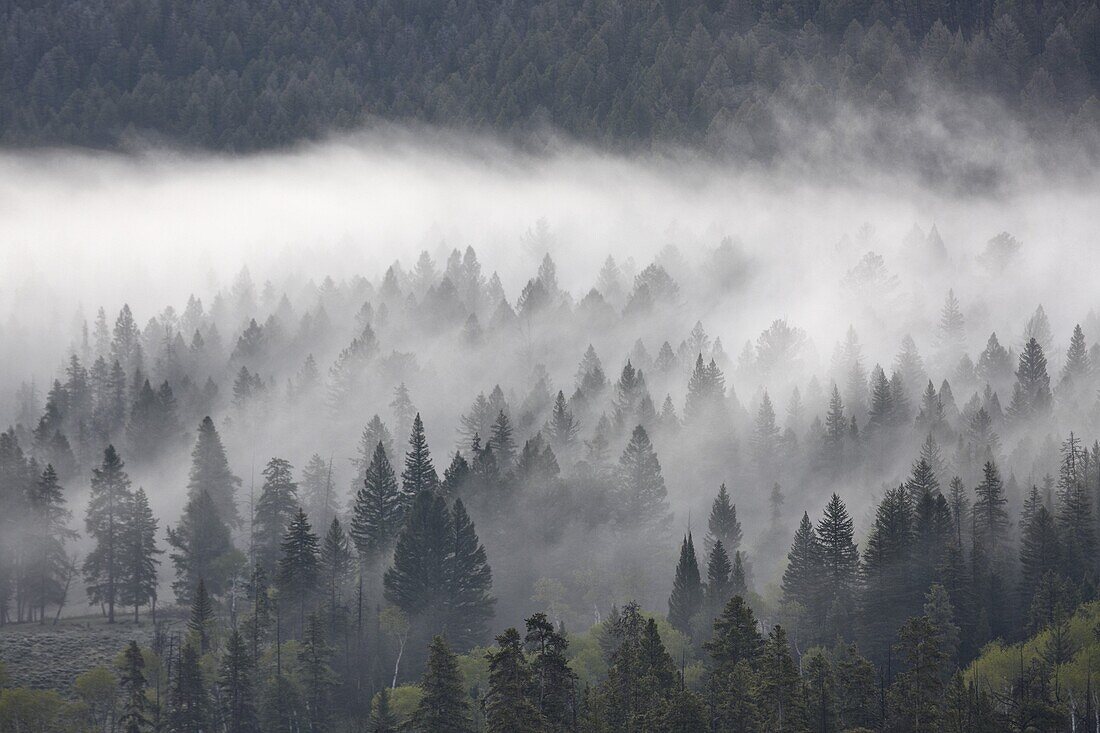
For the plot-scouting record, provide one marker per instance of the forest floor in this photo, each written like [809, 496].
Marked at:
[52, 656]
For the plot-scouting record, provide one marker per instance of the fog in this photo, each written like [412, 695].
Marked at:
[84, 230]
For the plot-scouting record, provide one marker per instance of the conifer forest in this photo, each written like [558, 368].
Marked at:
[568, 366]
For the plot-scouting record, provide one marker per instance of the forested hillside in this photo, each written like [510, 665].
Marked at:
[415, 499]
[748, 77]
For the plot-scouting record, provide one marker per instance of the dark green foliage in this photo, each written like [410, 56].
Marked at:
[722, 525]
[104, 566]
[189, 702]
[275, 509]
[507, 706]
[802, 578]
[687, 589]
[297, 577]
[201, 621]
[210, 473]
[419, 474]
[202, 549]
[315, 675]
[378, 512]
[720, 585]
[139, 543]
[236, 679]
[382, 719]
[443, 708]
[552, 684]
[779, 687]
[136, 715]
[889, 595]
[838, 558]
[989, 513]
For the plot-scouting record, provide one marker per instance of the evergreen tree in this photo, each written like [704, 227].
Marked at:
[838, 558]
[210, 473]
[455, 475]
[765, 439]
[104, 567]
[719, 588]
[378, 512]
[201, 622]
[779, 687]
[316, 676]
[990, 516]
[553, 681]
[641, 497]
[443, 707]
[316, 490]
[236, 681]
[502, 443]
[299, 564]
[1076, 524]
[722, 525]
[202, 549]
[889, 595]
[419, 474]
[563, 427]
[917, 694]
[836, 430]
[469, 581]
[138, 582]
[189, 703]
[382, 719]
[1033, 381]
[1039, 552]
[337, 565]
[507, 707]
[135, 716]
[734, 652]
[802, 577]
[275, 510]
[47, 562]
[687, 589]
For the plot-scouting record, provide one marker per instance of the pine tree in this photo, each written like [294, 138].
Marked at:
[299, 564]
[419, 474]
[888, 596]
[838, 558]
[990, 516]
[836, 430]
[236, 681]
[722, 525]
[281, 707]
[1077, 369]
[736, 637]
[455, 475]
[379, 512]
[1034, 382]
[507, 707]
[765, 438]
[189, 703]
[470, 579]
[563, 427]
[275, 510]
[719, 588]
[1039, 551]
[738, 580]
[318, 497]
[687, 590]
[105, 522]
[210, 473]
[802, 577]
[502, 443]
[315, 675]
[201, 622]
[1076, 525]
[382, 719]
[135, 716]
[918, 693]
[336, 564]
[641, 497]
[443, 707]
[47, 564]
[778, 689]
[138, 582]
[403, 410]
[553, 680]
[202, 549]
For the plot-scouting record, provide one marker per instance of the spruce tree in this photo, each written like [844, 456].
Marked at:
[419, 474]
[236, 680]
[469, 604]
[316, 490]
[563, 427]
[1033, 381]
[298, 565]
[382, 718]
[502, 443]
[417, 582]
[201, 622]
[719, 587]
[989, 513]
[687, 589]
[443, 707]
[104, 567]
[836, 431]
[135, 715]
[722, 525]
[189, 704]
[888, 594]
[378, 512]
[336, 565]
[47, 564]
[202, 548]
[553, 680]
[838, 558]
[765, 439]
[803, 575]
[1076, 524]
[210, 473]
[779, 687]
[641, 500]
[739, 585]
[1039, 552]
[138, 583]
[507, 706]
[315, 675]
[275, 510]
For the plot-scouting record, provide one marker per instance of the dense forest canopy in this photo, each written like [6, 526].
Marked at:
[750, 77]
